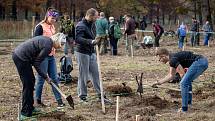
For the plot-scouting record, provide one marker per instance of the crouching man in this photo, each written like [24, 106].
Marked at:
[31, 53]
[196, 65]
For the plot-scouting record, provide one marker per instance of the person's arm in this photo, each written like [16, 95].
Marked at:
[167, 78]
[41, 56]
[80, 30]
[180, 70]
[38, 30]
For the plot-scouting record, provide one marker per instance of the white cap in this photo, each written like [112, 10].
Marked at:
[59, 38]
[111, 18]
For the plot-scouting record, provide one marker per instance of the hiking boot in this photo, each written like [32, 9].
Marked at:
[40, 103]
[60, 106]
[83, 100]
[180, 111]
[23, 118]
[37, 111]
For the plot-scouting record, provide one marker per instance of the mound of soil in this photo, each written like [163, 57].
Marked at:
[119, 89]
[155, 101]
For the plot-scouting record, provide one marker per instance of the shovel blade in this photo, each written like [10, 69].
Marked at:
[140, 89]
[70, 101]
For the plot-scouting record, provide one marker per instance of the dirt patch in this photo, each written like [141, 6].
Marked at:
[174, 94]
[146, 113]
[57, 115]
[119, 89]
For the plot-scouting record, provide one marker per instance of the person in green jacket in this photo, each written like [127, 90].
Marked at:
[102, 33]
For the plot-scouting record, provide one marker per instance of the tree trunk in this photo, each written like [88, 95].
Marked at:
[169, 19]
[158, 9]
[195, 9]
[199, 4]
[74, 12]
[163, 17]
[209, 11]
[14, 12]
[26, 14]
[48, 4]
[1, 11]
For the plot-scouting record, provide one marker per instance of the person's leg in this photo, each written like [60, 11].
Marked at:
[190, 95]
[106, 44]
[52, 71]
[40, 81]
[129, 44]
[206, 38]
[94, 73]
[197, 68]
[28, 80]
[180, 45]
[112, 44]
[83, 66]
[115, 46]
[192, 39]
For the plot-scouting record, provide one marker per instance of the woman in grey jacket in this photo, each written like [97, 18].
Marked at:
[31, 53]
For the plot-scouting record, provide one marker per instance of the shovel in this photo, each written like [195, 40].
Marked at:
[140, 85]
[68, 98]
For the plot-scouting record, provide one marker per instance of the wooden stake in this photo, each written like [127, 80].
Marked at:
[100, 78]
[137, 117]
[117, 108]
[33, 24]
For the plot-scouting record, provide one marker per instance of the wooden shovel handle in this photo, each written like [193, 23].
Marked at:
[57, 88]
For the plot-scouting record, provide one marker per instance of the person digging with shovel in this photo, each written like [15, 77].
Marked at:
[196, 65]
[31, 53]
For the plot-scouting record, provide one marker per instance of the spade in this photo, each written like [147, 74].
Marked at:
[68, 98]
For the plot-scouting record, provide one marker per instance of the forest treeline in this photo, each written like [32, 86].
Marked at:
[162, 10]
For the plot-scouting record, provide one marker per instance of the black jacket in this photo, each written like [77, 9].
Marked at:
[35, 51]
[85, 33]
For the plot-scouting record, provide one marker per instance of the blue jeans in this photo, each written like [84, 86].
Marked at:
[193, 38]
[206, 39]
[181, 41]
[196, 69]
[49, 66]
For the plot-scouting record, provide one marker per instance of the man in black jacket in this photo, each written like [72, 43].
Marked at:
[31, 53]
[85, 54]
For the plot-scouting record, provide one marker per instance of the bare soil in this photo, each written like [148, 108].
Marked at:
[155, 104]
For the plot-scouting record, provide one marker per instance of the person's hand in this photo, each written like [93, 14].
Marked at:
[48, 80]
[95, 41]
[155, 85]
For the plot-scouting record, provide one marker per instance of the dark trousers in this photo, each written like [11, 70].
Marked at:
[156, 43]
[113, 43]
[26, 74]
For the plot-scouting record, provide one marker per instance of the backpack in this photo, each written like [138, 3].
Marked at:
[148, 40]
[66, 67]
[117, 31]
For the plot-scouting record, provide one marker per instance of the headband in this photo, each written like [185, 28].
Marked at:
[53, 14]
